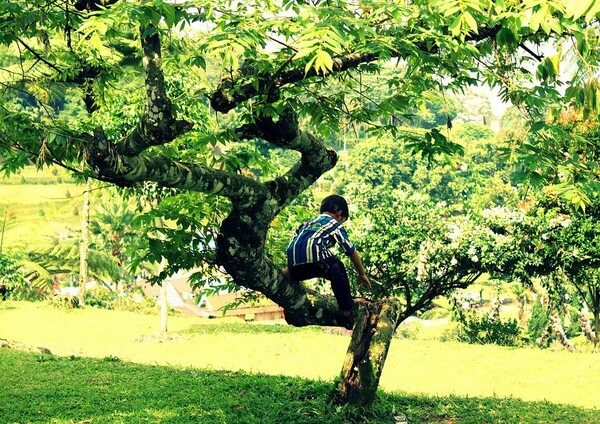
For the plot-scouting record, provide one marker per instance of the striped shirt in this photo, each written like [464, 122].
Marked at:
[314, 239]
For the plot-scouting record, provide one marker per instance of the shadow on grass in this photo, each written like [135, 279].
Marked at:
[245, 328]
[46, 388]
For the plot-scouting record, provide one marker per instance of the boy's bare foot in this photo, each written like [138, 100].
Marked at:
[347, 323]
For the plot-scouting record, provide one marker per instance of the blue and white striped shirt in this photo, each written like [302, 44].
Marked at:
[314, 239]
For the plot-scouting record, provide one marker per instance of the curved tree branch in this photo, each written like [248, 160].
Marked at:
[316, 159]
[127, 170]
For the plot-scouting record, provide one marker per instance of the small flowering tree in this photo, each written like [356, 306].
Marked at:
[417, 250]
[414, 251]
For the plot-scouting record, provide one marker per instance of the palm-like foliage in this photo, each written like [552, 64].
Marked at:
[113, 228]
[39, 278]
[63, 260]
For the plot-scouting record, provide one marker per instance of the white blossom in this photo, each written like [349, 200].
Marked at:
[562, 220]
[455, 232]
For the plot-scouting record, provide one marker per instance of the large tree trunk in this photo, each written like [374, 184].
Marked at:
[374, 329]
[240, 244]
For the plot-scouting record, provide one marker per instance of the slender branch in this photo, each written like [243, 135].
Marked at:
[536, 56]
[39, 57]
[17, 146]
[275, 40]
[408, 295]
[68, 27]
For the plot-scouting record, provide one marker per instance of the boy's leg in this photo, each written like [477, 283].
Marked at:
[303, 272]
[336, 273]
[331, 269]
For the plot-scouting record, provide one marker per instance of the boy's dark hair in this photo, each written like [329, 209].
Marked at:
[334, 203]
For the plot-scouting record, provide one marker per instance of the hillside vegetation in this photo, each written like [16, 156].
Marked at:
[38, 205]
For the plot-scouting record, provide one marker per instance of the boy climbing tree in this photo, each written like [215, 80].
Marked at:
[309, 255]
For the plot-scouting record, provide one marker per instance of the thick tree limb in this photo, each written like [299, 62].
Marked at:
[127, 170]
[158, 125]
[285, 133]
[240, 244]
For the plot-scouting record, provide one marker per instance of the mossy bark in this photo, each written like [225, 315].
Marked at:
[374, 329]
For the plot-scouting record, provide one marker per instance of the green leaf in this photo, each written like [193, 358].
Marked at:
[548, 69]
[305, 52]
[169, 14]
[582, 45]
[506, 38]
[471, 22]
[323, 62]
[577, 9]
[456, 25]
[538, 126]
[593, 12]
[199, 61]
[536, 18]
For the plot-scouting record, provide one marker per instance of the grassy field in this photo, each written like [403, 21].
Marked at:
[39, 205]
[265, 370]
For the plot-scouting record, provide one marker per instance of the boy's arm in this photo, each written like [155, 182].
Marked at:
[362, 275]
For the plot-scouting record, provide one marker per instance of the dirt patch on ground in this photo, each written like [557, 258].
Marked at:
[11, 344]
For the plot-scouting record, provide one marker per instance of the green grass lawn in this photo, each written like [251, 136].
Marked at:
[52, 389]
[224, 371]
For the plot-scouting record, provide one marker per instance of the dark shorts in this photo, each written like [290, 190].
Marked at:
[331, 269]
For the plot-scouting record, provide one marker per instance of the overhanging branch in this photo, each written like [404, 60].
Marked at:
[233, 91]
[127, 170]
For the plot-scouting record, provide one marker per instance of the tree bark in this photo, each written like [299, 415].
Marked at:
[374, 329]
[164, 309]
[85, 242]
